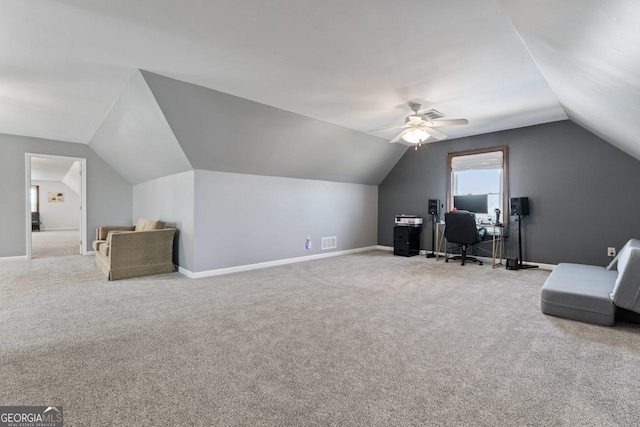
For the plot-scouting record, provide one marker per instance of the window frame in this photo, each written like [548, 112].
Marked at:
[505, 175]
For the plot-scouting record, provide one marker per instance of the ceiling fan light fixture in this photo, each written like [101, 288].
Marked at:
[415, 136]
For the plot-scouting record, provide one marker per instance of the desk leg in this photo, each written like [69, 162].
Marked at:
[497, 249]
[446, 245]
[493, 249]
[439, 239]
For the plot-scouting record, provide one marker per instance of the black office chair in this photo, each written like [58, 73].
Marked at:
[35, 221]
[460, 227]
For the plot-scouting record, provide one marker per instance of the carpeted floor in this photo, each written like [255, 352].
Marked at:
[55, 243]
[365, 339]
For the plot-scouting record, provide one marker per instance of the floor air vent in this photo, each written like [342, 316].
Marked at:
[328, 243]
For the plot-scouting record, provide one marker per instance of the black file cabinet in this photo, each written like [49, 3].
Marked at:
[406, 240]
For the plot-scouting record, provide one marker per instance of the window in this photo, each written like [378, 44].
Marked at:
[35, 198]
[478, 182]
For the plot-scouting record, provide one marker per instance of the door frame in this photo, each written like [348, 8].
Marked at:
[83, 197]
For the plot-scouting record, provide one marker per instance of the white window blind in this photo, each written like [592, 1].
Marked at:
[482, 161]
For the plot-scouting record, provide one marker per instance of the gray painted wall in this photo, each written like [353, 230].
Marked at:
[582, 190]
[170, 199]
[247, 219]
[135, 138]
[108, 195]
[221, 132]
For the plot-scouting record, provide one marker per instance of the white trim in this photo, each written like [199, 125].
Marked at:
[240, 268]
[13, 258]
[60, 229]
[83, 197]
[90, 253]
[488, 260]
[27, 199]
[542, 266]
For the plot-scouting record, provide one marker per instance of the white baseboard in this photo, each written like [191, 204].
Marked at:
[229, 270]
[60, 229]
[14, 258]
[542, 266]
[90, 253]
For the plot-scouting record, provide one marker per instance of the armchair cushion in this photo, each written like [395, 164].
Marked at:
[102, 232]
[147, 225]
[580, 292]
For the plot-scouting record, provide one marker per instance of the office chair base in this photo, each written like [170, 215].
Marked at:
[464, 259]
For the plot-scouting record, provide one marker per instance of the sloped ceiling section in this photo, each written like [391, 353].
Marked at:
[47, 169]
[589, 53]
[72, 178]
[353, 63]
[224, 133]
[501, 64]
[135, 138]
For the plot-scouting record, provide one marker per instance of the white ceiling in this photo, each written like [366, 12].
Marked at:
[45, 169]
[499, 63]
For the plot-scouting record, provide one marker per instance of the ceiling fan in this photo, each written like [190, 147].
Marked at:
[419, 126]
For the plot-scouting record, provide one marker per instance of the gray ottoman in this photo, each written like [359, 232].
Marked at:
[580, 292]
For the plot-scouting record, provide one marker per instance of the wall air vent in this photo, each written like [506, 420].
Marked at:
[328, 243]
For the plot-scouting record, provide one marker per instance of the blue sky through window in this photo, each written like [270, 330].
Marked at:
[478, 182]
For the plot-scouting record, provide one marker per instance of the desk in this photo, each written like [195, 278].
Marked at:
[497, 241]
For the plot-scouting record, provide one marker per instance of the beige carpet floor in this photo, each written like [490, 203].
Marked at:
[55, 243]
[359, 340]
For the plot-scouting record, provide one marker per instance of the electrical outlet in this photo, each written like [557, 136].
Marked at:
[611, 252]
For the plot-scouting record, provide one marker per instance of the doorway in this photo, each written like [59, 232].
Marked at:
[55, 205]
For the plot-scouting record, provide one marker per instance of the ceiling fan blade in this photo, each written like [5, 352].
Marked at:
[452, 122]
[394, 127]
[434, 133]
[400, 135]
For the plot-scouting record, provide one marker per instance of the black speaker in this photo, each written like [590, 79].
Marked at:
[512, 263]
[434, 207]
[520, 206]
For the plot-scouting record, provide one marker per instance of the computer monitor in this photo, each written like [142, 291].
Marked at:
[476, 203]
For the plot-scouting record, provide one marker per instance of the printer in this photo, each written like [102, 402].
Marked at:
[408, 220]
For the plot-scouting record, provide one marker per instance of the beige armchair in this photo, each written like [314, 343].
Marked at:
[124, 252]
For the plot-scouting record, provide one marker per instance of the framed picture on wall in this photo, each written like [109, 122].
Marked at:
[55, 197]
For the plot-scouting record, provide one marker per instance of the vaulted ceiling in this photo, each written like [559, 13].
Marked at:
[499, 63]
[47, 169]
